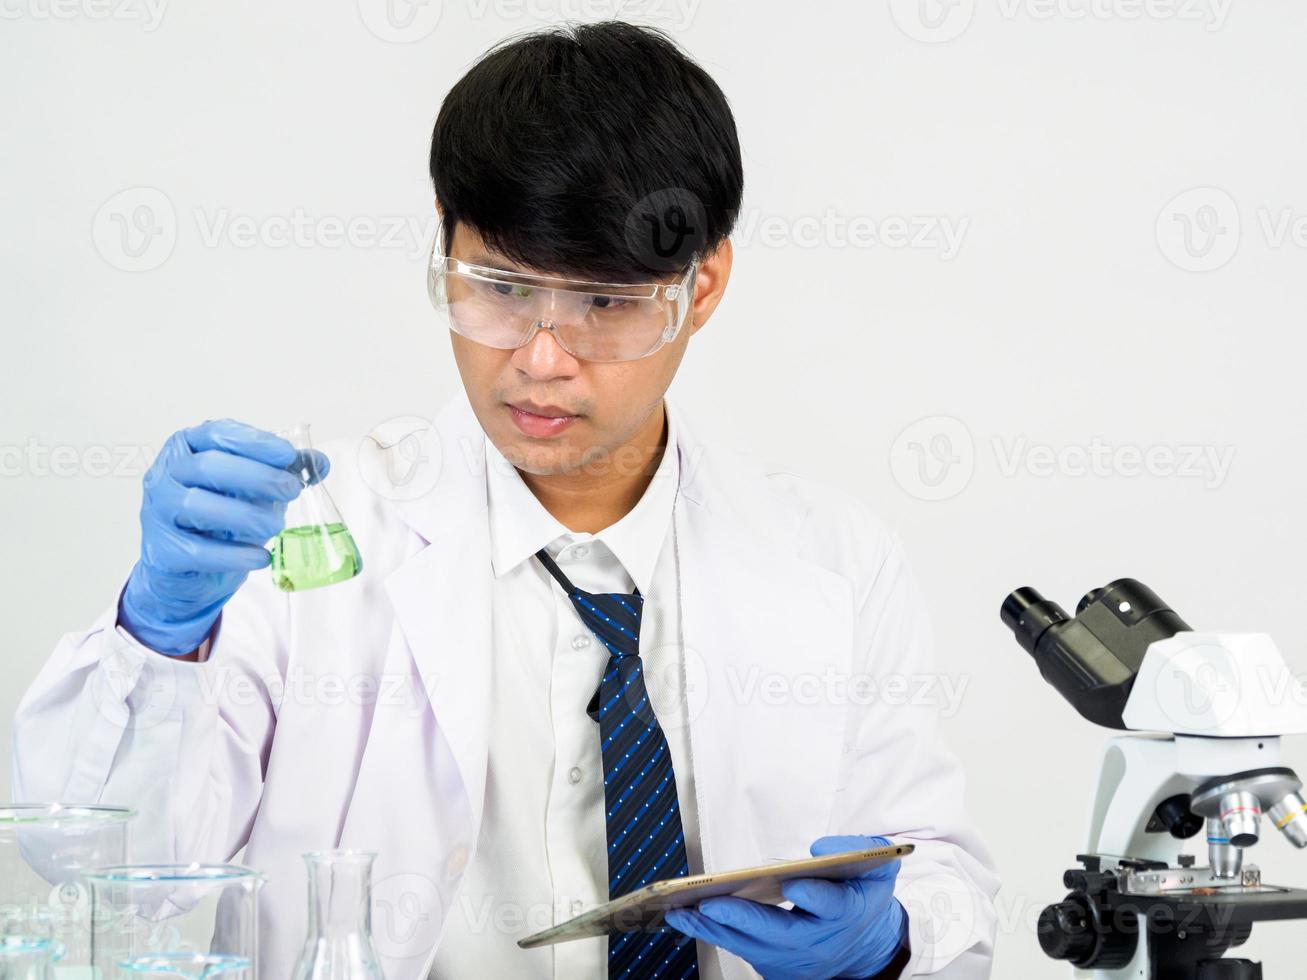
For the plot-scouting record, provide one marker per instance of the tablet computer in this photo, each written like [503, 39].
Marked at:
[643, 909]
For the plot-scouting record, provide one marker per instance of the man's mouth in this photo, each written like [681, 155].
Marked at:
[540, 421]
[544, 411]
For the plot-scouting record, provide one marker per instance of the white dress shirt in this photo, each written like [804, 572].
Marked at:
[542, 853]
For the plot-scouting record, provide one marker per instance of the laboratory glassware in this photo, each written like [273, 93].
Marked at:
[44, 849]
[175, 920]
[316, 548]
[339, 943]
[28, 958]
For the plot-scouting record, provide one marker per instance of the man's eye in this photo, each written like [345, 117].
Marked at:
[609, 302]
[509, 289]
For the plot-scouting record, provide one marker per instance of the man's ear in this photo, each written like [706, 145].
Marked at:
[710, 283]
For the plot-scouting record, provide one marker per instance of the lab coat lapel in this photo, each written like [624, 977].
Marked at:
[442, 594]
[768, 635]
[421, 787]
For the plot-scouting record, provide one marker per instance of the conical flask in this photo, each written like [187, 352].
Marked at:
[339, 944]
[316, 547]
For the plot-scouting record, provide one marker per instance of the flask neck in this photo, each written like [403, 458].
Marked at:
[340, 895]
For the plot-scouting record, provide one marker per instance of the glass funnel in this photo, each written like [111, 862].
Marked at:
[44, 849]
[316, 548]
[195, 920]
[339, 944]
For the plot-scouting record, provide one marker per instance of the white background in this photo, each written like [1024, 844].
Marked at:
[1072, 312]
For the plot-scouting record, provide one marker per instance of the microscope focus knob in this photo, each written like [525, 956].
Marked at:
[1066, 931]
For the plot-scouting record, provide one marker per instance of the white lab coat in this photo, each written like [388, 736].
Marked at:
[356, 715]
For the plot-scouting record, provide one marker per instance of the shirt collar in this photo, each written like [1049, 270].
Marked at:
[520, 525]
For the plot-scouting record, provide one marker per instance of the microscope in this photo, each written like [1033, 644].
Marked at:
[1206, 712]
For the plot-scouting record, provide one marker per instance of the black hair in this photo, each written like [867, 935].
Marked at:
[596, 151]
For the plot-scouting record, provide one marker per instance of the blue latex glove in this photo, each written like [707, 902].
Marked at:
[214, 495]
[836, 929]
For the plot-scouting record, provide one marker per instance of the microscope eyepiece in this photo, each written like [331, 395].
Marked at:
[1028, 614]
[1092, 658]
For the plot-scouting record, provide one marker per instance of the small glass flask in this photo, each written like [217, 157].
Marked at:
[28, 958]
[316, 548]
[339, 944]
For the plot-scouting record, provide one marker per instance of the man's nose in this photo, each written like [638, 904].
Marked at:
[543, 356]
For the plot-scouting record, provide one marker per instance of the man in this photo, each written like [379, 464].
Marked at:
[585, 651]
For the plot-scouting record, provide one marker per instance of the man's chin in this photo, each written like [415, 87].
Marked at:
[548, 459]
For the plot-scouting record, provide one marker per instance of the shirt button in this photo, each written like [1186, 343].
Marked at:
[457, 862]
[577, 907]
[580, 551]
[580, 641]
[574, 775]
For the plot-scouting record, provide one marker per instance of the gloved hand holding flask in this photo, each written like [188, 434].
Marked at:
[214, 495]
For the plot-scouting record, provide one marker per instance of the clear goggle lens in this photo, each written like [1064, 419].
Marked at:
[592, 321]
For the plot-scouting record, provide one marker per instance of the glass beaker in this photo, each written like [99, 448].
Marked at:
[44, 849]
[316, 547]
[175, 920]
[28, 958]
[339, 944]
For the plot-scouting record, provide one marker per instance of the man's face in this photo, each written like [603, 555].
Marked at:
[612, 401]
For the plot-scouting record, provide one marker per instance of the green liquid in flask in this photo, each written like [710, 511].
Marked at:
[314, 555]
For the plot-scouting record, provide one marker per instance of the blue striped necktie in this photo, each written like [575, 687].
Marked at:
[643, 818]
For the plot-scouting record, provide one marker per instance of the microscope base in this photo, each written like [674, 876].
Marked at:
[1097, 928]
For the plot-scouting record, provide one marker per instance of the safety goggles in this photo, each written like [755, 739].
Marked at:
[590, 320]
